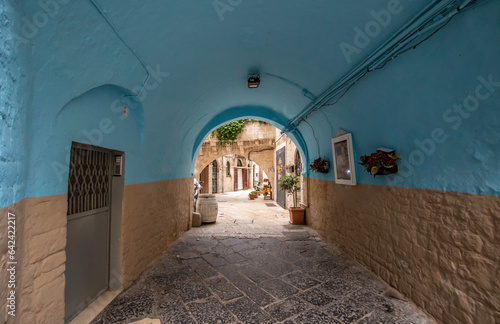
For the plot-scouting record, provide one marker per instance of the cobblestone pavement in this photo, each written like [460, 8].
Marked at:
[253, 267]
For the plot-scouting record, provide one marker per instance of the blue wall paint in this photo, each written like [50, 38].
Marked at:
[96, 118]
[199, 64]
[15, 89]
[411, 98]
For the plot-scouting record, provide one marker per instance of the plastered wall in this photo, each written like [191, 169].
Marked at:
[15, 96]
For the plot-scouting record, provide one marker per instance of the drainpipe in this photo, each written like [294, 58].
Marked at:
[427, 22]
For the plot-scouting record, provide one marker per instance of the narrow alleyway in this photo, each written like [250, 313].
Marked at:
[251, 266]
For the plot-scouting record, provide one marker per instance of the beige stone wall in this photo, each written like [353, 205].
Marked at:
[154, 215]
[265, 160]
[41, 256]
[440, 249]
[254, 137]
[255, 130]
[228, 181]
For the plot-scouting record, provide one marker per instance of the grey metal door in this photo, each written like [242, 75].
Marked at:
[214, 176]
[298, 171]
[280, 172]
[87, 247]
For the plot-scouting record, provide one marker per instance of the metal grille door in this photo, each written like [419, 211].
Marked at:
[89, 180]
[214, 176]
[87, 248]
[280, 172]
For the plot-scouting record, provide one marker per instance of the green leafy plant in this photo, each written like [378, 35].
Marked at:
[252, 195]
[290, 183]
[228, 133]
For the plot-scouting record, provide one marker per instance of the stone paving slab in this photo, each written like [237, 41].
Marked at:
[211, 311]
[224, 289]
[286, 308]
[223, 273]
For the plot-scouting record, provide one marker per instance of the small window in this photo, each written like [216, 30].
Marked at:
[239, 163]
[228, 169]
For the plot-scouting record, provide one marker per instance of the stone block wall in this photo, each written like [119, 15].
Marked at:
[41, 257]
[439, 249]
[154, 216]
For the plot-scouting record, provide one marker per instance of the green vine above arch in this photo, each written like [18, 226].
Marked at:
[227, 134]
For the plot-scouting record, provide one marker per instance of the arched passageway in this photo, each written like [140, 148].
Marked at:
[154, 93]
[255, 268]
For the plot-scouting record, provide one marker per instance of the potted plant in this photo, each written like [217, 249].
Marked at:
[257, 189]
[290, 183]
[267, 191]
[252, 195]
[319, 165]
[382, 162]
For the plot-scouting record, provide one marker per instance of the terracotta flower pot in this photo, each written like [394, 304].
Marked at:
[297, 215]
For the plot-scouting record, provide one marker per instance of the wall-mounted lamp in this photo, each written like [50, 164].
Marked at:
[254, 81]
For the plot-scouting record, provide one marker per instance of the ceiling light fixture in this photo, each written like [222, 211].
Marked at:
[254, 81]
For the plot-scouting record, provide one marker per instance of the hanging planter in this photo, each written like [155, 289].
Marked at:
[321, 166]
[382, 162]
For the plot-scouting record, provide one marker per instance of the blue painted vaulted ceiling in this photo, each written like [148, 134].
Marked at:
[181, 69]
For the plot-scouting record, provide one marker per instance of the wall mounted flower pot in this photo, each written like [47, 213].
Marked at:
[386, 171]
[297, 215]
